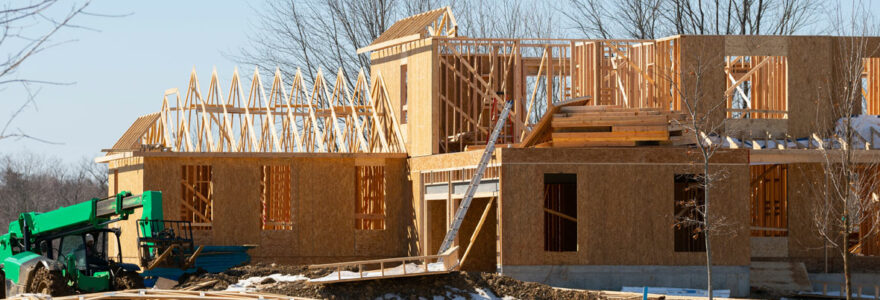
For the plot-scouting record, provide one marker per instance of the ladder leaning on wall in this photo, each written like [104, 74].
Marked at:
[475, 181]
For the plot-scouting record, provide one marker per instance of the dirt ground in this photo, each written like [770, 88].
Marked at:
[448, 285]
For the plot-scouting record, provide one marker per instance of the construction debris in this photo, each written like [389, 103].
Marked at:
[467, 285]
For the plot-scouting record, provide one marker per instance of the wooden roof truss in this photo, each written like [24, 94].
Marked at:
[317, 117]
[435, 23]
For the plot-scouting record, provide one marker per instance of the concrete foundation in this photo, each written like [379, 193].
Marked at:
[733, 278]
[868, 283]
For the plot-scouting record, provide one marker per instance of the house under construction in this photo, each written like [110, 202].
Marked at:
[583, 189]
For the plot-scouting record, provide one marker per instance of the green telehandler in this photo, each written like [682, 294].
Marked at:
[64, 251]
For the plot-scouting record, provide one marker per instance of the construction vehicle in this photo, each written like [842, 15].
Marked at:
[65, 251]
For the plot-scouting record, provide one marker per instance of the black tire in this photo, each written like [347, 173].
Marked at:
[2, 285]
[127, 280]
[49, 283]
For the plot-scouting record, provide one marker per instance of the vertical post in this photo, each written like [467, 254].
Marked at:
[549, 85]
[597, 72]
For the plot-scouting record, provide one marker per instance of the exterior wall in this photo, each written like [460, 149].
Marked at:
[803, 239]
[422, 103]
[323, 205]
[642, 176]
[625, 212]
[813, 66]
[437, 162]
[126, 175]
[625, 202]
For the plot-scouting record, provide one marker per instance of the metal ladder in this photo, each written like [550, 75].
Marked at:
[475, 181]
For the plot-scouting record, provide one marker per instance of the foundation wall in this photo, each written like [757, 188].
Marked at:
[322, 205]
[615, 277]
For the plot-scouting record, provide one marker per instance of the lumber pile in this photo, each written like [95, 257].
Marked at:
[609, 126]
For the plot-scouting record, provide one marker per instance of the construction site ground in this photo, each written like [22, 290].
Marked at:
[455, 285]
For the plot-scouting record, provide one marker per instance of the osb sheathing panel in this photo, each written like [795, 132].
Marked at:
[436, 223]
[702, 62]
[750, 45]
[322, 198]
[419, 216]
[422, 134]
[451, 160]
[625, 206]
[810, 65]
[130, 178]
[637, 155]
[483, 252]
[803, 238]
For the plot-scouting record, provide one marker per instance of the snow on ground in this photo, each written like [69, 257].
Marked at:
[677, 291]
[411, 268]
[478, 294]
[248, 285]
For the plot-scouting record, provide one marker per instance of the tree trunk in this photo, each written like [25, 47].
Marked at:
[845, 248]
[706, 224]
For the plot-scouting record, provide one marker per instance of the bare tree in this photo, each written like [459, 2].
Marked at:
[31, 182]
[648, 19]
[314, 34]
[28, 28]
[326, 34]
[632, 18]
[704, 111]
[846, 191]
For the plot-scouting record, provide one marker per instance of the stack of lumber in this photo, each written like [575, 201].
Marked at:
[598, 126]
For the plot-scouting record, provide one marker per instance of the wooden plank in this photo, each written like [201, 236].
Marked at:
[611, 136]
[559, 214]
[476, 231]
[544, 125]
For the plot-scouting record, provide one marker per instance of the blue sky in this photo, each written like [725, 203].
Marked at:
[121, 71]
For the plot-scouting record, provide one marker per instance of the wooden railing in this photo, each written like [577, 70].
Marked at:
[448, 260]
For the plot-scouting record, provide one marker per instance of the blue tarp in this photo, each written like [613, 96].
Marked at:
[213, 259]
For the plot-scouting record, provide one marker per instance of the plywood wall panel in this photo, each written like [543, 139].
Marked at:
[322, 202]
[625, 211]
[803, 239]
[810, 67]
[422, 136]
[451, 160]
[126, 175]
[702, 63]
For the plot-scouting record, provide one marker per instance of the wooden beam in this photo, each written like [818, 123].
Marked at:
[561, 215]
[476, 231]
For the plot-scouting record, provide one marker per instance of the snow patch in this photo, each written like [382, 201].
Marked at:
[863, 125]
[477, 294]
[677, 291]
[248, 285]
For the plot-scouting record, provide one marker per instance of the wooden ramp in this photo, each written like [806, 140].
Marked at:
[389, 268]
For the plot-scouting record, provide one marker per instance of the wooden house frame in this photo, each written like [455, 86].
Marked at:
[382, 166]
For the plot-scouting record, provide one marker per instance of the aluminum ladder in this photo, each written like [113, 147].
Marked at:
[475, 181]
